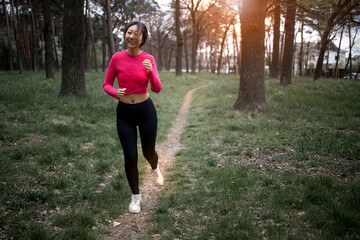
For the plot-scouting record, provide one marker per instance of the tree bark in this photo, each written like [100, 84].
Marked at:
[334, 18]
[252, 83]
[194, 45]
[87, 39]
[33, 38]
[104, 43]
[301, 53]
[186, 52]
[222, 45]
[9, 37]
[335, 73]
[286, 66]
[73, 74]
[179, 40]
[54, 42]
[16, 36]
[49, 51]
[110, 26]
[274, 67]
[92, 38]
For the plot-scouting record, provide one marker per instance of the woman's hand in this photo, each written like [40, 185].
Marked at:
[120, 93]
[147, 64]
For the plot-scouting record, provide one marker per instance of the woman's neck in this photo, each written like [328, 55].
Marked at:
[134, 51]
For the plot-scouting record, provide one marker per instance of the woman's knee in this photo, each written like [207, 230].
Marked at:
[131, 159]
[150, 155]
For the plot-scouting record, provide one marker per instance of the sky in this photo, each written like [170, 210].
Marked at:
[164, 4]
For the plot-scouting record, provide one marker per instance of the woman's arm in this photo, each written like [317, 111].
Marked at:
[155, 83]
[110, 76]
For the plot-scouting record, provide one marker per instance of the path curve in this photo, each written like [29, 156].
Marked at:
[133, 226]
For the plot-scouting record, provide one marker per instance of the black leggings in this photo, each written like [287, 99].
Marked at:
[128, 117]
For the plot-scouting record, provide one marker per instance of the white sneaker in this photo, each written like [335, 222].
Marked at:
[158, 177]
[134, 206]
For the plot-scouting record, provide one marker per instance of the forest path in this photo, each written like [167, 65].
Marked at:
[133, 226]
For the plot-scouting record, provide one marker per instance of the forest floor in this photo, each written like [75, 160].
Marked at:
[291, 171]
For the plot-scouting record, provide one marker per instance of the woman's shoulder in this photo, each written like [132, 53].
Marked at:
[147, 55]
[119, 54]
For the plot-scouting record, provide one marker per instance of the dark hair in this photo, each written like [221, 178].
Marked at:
[142, 29]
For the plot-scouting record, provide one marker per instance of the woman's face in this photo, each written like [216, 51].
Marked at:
[131, 37]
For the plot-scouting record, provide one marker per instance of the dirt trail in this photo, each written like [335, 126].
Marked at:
[133, 226]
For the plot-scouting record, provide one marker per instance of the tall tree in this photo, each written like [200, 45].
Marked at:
[286, 66]
[92, 36]
[335, 73]
[110, 28]
[351, 45]
[9, 37]
[198, 10]
[49, 50]
[103, 38]
[301, 52]
[274, 67]
[324, 15]
[16, 36]
[223, 42]
[33, 39]
[252, 83]
[73, 74]
[179, 39]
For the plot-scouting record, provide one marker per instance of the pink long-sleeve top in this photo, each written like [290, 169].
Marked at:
[131, 74]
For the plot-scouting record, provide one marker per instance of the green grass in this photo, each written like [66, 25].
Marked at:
[289, 172]
[61, 160]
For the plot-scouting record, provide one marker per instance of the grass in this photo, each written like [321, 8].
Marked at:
[61, 160]
[290, 172]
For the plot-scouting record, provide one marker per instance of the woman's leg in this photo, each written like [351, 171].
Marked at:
[128, 137]
[147, 130]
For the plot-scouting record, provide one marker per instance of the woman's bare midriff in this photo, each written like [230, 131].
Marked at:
[134, 98]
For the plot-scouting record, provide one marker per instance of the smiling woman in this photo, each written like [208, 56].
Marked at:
[134, 70]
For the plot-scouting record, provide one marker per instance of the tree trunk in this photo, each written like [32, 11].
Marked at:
[33, 38]
[186, 53]
[104, 43]
[87, 39]
[350, 53]
[286, 66]
[170, 57]
[325, 36]
[307, 58]
[16, 36]
[92, 39]
[193, 45]
[327, 61]
[54, 42]
[282, 37]
[49, 51]
[73, 74]
[159, 53]
[179, 40]
[41, 41]
[274, 67]
[200, 60]
[351, 45]
[236, 49]
[9, 38]
[335, 73]
[222, 45]
[252, 83]
[301, 53]
[110, 26]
